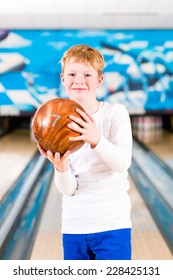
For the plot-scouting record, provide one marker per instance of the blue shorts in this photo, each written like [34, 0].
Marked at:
[108, 245]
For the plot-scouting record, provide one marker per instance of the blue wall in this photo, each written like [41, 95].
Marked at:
[138, 67]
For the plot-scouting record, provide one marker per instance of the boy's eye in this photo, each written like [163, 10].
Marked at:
[87, 75]
[71, 74]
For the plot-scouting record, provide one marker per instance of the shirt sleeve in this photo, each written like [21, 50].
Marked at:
[117, 150]
[65, 182]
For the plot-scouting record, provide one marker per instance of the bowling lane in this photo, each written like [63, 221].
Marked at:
[16, 149]
[147, 241]
[148, 129]
[163, 147]
[48, 244]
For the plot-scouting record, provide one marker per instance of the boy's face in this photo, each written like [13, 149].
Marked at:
[80, 81]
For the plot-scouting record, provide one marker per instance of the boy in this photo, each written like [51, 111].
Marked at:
[96, 207]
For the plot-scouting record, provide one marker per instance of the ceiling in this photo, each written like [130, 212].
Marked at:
[92, 14]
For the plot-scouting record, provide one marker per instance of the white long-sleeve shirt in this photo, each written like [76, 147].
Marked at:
[95, 186]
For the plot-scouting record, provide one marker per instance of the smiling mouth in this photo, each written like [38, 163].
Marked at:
[78, 88]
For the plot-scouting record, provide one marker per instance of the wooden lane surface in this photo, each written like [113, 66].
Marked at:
[48, 243]
[164, 147]
[16, 149]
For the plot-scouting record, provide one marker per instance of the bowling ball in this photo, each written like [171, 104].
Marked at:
[49, 125]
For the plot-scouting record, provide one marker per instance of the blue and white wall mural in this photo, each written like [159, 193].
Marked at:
[138, 67]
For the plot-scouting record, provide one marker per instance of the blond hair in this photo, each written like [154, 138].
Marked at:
[85, 54]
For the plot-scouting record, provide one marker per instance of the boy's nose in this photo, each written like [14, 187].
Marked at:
[78, 82]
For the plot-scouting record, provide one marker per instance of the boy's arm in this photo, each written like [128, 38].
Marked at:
[117, 151]
[65, 182]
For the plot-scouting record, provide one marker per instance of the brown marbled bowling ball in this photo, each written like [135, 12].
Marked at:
[49, 125]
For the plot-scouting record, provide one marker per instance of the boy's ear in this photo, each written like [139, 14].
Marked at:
[62, 78]
[100, 80]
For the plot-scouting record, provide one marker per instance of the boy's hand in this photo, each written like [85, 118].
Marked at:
[86, 127]
[61, 163]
